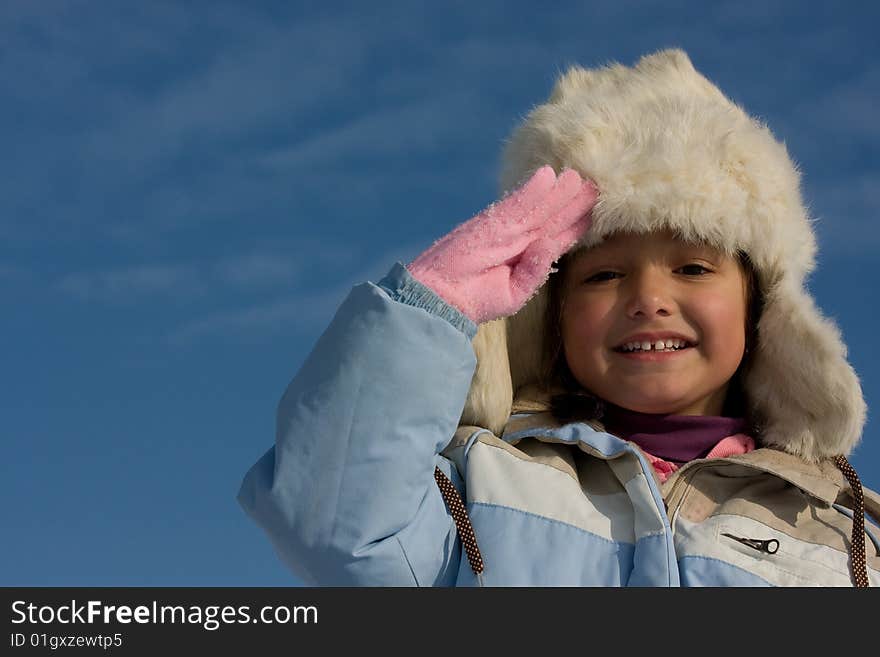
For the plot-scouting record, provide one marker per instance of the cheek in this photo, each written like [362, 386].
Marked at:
[722, 319]
[584, 327]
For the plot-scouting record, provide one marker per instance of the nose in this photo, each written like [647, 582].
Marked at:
[649, 294]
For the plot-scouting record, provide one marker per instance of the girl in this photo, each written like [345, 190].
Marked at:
[669, 409]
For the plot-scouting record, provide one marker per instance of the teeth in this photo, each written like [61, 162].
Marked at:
[659, 345]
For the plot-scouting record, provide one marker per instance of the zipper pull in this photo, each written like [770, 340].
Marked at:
[770, 546]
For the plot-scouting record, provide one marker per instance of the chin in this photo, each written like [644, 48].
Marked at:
[654, 407]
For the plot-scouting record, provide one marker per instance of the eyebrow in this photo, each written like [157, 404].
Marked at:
[615, 251]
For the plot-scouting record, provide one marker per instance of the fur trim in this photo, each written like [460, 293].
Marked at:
[668, 150]
[491, 394]
[800, 382]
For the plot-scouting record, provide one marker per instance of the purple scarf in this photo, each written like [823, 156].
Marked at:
[676, 438]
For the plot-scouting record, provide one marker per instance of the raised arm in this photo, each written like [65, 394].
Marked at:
[347, 494]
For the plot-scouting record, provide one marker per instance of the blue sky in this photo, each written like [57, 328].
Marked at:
[190, 189]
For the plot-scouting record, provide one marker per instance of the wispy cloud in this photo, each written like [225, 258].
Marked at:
[200, 118]
[247, 272]
[257, 321]
[306, 310]
[255, 270]
[133, 283]
[247, 89]
[160, 109]
[414, 129]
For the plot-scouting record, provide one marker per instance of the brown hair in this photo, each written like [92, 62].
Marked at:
[575, 403]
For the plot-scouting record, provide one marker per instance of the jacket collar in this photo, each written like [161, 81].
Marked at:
[822, 480]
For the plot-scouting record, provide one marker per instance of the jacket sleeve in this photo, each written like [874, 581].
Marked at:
[347, 494]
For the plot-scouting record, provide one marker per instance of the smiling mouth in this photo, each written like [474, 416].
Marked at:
[673, 346]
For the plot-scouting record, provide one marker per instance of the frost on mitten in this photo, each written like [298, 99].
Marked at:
[491, 265]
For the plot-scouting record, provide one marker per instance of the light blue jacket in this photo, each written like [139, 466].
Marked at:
[348, 498]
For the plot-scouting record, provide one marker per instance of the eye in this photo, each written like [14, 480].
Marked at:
[694, 270]
[601, 277]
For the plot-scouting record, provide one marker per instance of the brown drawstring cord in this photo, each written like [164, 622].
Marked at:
[462, 522]
[857, 545]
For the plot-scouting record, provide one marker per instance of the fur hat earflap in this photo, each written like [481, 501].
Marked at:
[668, 150]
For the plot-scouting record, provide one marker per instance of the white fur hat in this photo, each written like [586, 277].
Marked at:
[668, 150]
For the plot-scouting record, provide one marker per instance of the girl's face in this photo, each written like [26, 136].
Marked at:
[644, 288]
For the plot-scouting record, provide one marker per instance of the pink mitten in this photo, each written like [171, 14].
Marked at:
[489, 266]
